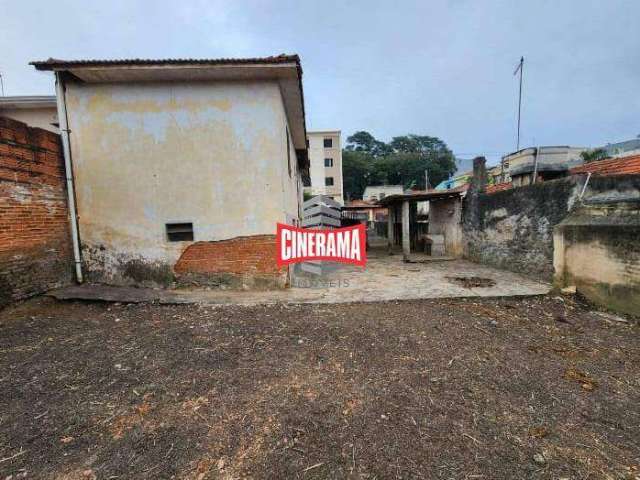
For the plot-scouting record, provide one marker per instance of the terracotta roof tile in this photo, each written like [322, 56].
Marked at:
[613, 166]
[498, 187]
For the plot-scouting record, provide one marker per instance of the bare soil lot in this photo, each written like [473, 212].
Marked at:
[529, 388]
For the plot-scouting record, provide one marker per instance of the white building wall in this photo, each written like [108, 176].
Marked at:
[144, 155]
[318, 171]
[40, 117]
[377, 192]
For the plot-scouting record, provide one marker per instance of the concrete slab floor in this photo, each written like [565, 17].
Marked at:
[386, 277]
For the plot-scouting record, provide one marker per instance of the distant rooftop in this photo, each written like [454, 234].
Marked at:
[58, 64]
[28, 101]
[613, 166]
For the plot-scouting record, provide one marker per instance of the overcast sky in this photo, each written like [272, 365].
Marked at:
[442, 68]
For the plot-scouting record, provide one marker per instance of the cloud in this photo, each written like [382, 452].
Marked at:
[438, 68]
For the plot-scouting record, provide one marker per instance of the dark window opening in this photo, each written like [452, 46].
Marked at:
[328, 142]
[328, 162]
[179, 232]
[328, 181]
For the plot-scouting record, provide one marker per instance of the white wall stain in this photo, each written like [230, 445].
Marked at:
[213, 154]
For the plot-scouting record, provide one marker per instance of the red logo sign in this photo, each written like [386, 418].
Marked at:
[343, 245]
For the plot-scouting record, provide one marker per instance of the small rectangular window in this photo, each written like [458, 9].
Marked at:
[328, 143]
[328, 162]
[328, 181]
[179, 232]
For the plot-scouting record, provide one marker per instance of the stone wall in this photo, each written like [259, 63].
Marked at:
[513, 229]
[35, 242]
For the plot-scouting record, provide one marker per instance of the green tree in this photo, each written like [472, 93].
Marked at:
[593, 155]
[356, 170]
[365, 142]
[403, 161]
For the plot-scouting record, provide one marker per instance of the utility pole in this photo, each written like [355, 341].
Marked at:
[520, 69]
[1, 84]
[426, 179]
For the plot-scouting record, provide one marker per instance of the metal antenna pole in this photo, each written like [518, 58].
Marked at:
[521, 68]
[1, 85]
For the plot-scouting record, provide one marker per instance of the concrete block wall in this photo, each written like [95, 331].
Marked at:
[35, 242]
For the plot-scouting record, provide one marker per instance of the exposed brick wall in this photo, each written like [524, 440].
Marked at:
[35, 243]
[242, 261]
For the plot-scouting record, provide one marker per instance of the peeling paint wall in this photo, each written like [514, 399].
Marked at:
[210, 153]
[597, 247]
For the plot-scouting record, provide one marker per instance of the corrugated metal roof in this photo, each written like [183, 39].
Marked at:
[55, 63]
[613, 166]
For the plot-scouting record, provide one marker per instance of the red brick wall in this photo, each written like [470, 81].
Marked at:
[35, 243]
[246, 258]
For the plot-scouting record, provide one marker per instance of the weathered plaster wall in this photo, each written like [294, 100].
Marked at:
[214, 154]
[35, 243]
[513, 229]
[597, 248]
[445, 218]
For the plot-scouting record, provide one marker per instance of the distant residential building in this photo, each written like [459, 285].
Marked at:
[36, 111]
[365, 212]
[456, 181]
[378, 192]
[325, 157]
[545, 163]
[623, 149]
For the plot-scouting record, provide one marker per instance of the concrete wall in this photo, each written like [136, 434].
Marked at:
[374, 192]
[318, 172]
[597, 248]
[445, 217]
[213, 154]
[35, 243]
[513, 229]
[41, 117]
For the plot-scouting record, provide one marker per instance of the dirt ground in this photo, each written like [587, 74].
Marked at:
[464, 389]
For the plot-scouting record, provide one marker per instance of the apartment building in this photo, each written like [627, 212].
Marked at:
[325, 158]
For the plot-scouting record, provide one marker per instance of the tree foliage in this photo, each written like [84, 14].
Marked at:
[593, 155]
[403, 161]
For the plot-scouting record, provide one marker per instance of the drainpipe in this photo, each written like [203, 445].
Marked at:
[584, 187]
[71, 197]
